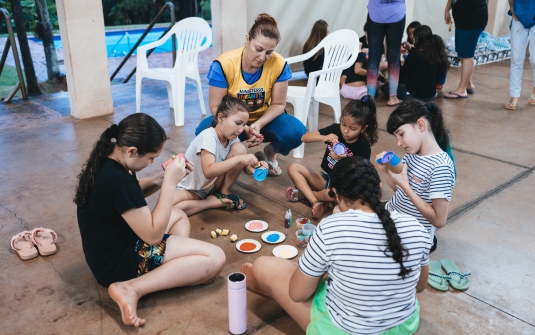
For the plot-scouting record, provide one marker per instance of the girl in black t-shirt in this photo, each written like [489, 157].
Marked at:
[357, 131]
[128, 248]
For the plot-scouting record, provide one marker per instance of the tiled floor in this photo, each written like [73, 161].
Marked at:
[490, 230]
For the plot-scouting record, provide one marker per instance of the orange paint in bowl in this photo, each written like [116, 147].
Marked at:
[247, 246]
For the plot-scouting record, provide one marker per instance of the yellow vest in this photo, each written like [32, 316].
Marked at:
[257, 95]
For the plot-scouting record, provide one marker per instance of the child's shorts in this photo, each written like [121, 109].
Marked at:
[202, 194]
[149, 257]
[353, 92]
[321, 323]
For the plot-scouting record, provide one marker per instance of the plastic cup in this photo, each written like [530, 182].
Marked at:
[339, 148]
[392, 161]
[302, 221]
[309, 227]
[302, 237]
[260, 173]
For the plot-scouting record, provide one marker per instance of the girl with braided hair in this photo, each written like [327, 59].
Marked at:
[375, 260]
[423, 189]
[129, 248]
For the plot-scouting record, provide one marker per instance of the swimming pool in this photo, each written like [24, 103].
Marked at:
[119, 42]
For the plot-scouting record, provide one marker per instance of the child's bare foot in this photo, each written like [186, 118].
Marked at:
[318, 209]
[250, 281]
[126, 298]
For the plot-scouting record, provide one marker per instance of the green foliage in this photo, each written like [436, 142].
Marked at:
[30, 15]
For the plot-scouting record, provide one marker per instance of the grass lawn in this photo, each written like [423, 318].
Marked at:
[8, 80]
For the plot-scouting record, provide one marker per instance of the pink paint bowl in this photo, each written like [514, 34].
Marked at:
[301, 221]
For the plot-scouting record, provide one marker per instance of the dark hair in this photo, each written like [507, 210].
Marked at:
[317, 34]
[355, 179]
[413, 24]
[266, 26]
[137, 130]
[426, 47]
[410, 110]
[441, 49]
[364, 113]
[228, 106]
[365, 28]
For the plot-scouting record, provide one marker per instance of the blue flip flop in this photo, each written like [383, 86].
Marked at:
[472, 91]
[457, 96]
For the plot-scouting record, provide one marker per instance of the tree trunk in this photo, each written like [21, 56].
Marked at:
[31, 79]
[52, 66]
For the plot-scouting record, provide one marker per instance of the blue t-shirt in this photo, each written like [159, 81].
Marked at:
[383, 11]
[217, 78]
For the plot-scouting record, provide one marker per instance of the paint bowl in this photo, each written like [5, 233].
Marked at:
[309, 227]
[256, 226]
[339, 148]
[248, 246]
[285, 251]
[260, 173]
[273, 237]
[301, 221]
[392, 160]
[302, 237]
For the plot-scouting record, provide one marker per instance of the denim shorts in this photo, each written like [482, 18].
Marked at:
[149, 257]
[284, 132]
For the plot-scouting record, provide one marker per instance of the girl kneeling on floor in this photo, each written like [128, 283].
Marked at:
[375, 260]
[423, 189]
[130, 249]
[220, 157]
[357, 131]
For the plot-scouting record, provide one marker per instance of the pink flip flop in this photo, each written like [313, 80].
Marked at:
[45, 242]
[456, 96]
[23, 245]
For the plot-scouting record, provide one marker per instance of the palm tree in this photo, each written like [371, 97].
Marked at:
[45, 31]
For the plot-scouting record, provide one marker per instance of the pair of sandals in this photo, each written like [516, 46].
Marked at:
[318, 207]
[514, 105]
[454, 277]
[29, 244]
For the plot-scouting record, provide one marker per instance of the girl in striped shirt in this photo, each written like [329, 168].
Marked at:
[423, 189]
[375, 261]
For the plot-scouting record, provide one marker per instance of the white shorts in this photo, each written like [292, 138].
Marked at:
[353, 92]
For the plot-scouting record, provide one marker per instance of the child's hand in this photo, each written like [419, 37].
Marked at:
[189, 165]
[176, 170]
[337, 157]
[400, 179]
[264, 164]
[381, 167]
[248, 160]
[331, 138]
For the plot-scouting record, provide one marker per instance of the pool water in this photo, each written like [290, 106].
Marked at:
[119, 43]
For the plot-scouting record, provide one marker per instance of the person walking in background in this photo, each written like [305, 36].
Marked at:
[522, 28]
[470, 18]
[318, 33]
[385, 18]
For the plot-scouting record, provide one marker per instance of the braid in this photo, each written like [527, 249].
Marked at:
[355, 179]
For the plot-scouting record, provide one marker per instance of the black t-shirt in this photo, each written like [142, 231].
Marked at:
[418, 75]
[312, 64]
[361, 147]
[107, 240]
[470, 14]
[362, 40]
[350, 71]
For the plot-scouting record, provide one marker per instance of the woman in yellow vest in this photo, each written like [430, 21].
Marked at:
[258, 75]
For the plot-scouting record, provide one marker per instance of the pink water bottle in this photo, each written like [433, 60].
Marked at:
[237, 303]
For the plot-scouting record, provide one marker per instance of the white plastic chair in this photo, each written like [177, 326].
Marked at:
[341, 49]
[190, 34]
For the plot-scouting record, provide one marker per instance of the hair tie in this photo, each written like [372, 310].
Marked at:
[111, 132]
[365, 100]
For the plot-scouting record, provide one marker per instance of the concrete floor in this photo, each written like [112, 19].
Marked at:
[488, 232]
